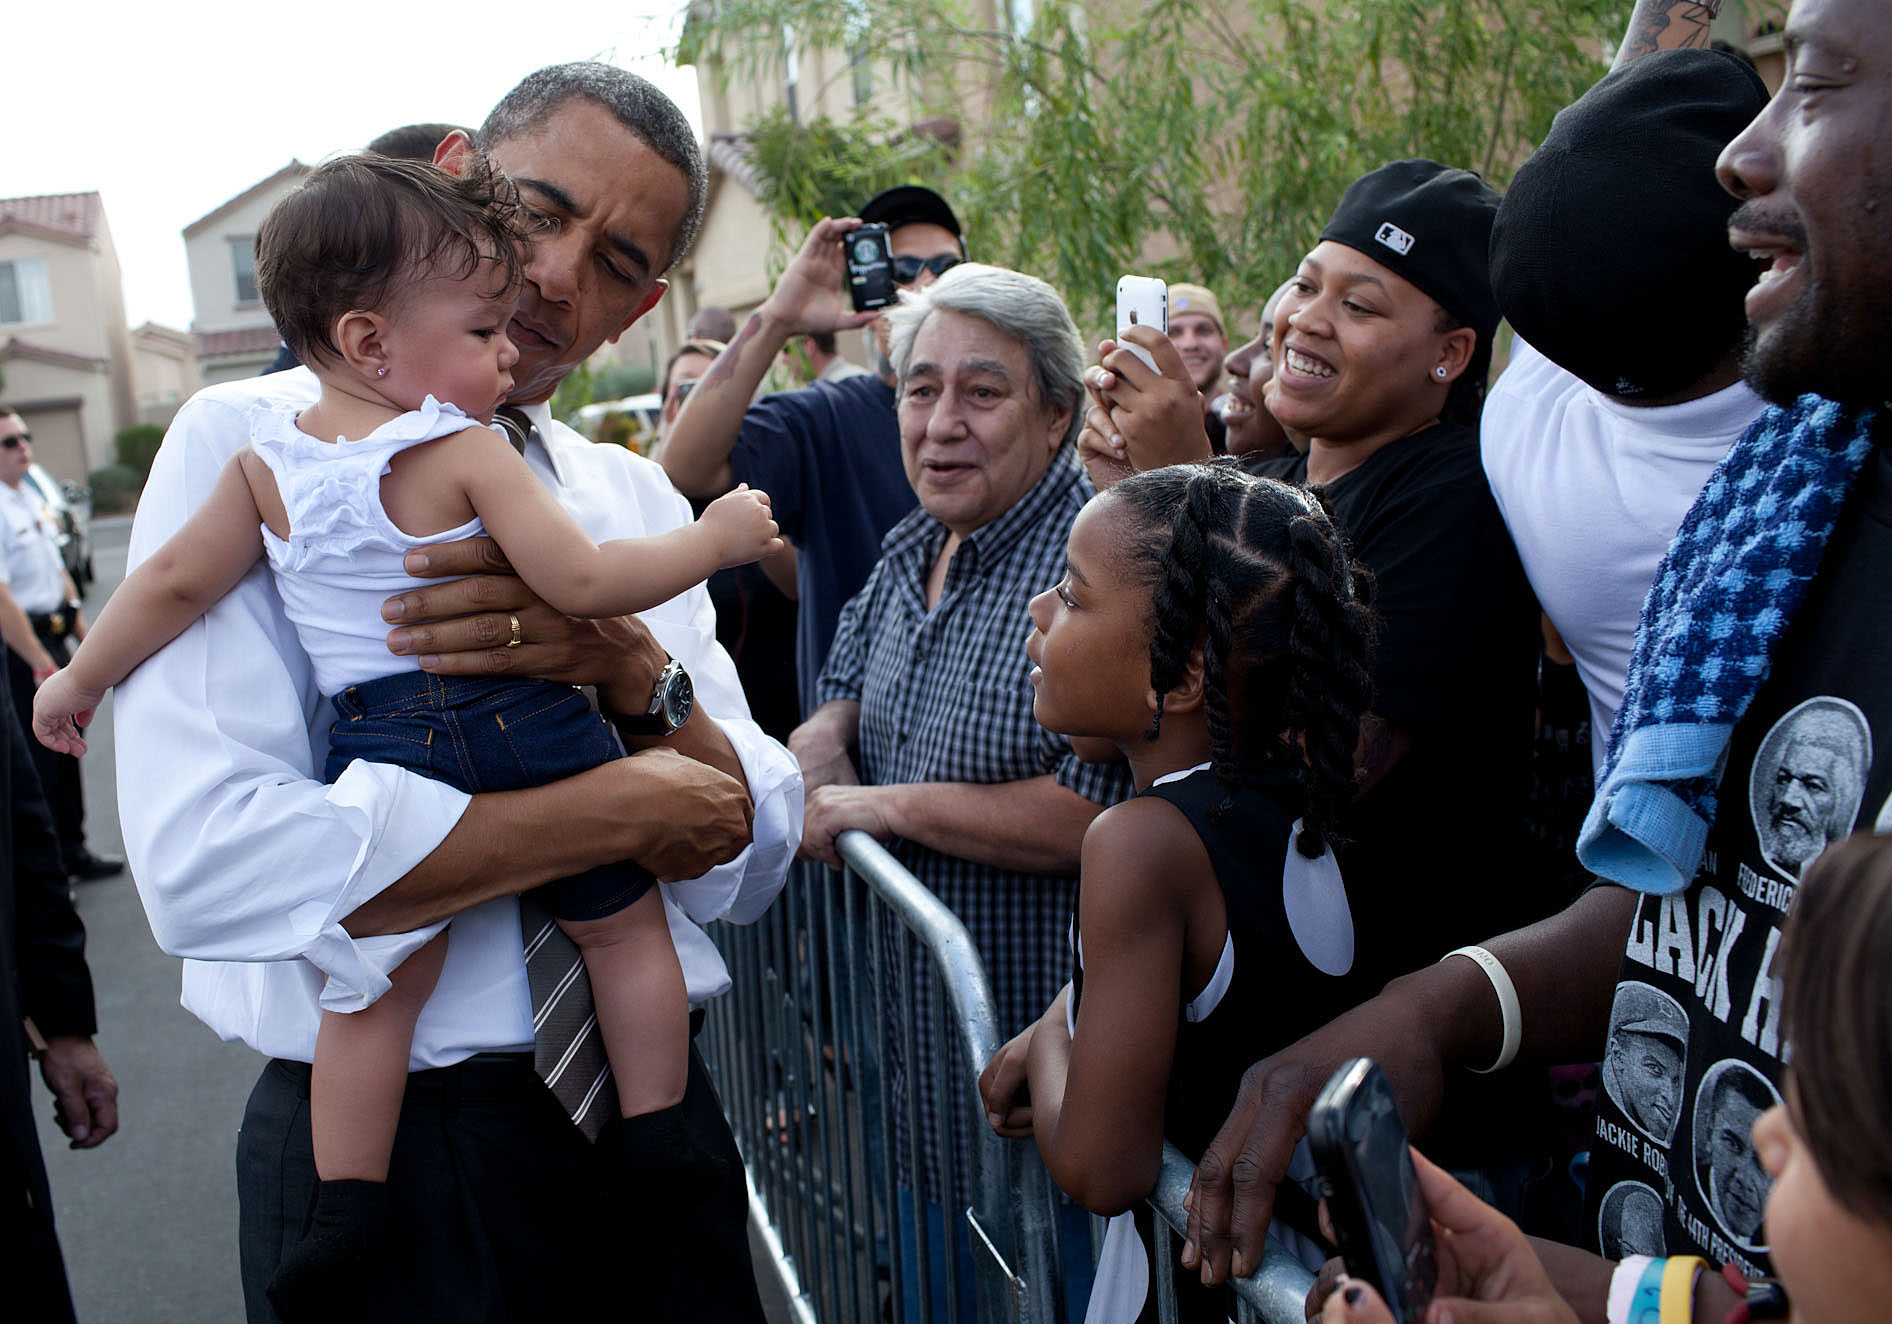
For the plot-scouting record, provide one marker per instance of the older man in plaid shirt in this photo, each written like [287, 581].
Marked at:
[925, 736]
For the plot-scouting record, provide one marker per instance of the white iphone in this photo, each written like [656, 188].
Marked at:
[1141, 301]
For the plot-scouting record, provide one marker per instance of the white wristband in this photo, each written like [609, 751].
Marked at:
[1507, 1004]
[1623, 1287]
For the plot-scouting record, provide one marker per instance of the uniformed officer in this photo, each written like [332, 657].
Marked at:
[39, 612]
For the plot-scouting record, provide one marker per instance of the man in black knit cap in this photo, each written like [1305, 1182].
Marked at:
[1609, 259]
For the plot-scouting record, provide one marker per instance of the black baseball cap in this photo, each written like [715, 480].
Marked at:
[1610, 254]
[912, 204]
[1431, 225]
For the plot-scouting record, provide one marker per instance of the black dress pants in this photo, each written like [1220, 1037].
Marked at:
[58, 773]
[504, 1214]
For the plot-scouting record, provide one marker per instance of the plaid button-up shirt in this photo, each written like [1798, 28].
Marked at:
[946, 696]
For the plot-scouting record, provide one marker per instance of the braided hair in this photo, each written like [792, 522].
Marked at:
[1254, 572]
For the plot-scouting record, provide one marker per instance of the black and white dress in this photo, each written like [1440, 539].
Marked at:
[1287, 967]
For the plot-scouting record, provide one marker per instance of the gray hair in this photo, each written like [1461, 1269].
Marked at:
[635, 102]
[1020, 306]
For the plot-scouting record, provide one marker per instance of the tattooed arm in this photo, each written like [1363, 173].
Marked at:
[1666, 25]
[811, 296]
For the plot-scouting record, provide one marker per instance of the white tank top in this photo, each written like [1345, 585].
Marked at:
[343, 554]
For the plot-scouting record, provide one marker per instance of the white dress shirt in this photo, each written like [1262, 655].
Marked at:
[247, 863]
[30, 565]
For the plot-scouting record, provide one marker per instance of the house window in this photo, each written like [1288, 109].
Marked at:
[243, 262]
[791, 72]
[858, 21]
[25, 298]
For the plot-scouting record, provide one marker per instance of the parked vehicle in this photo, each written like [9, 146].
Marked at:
[631, 421]
[71, 505]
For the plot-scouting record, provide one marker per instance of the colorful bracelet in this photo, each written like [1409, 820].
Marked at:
[1624, 1283]
[1507, 1004]
[1679, 1276]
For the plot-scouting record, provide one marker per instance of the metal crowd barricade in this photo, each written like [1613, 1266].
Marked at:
[803, 1052]
[1277, 1294]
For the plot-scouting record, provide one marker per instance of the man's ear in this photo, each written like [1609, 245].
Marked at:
[454, 153]
[361, 338]
[1060, 424]
[657, 289]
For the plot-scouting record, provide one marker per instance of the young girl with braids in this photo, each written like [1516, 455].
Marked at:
[1212, 630]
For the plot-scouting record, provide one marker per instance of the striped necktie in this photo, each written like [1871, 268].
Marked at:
[512, 421]
[567, 1050]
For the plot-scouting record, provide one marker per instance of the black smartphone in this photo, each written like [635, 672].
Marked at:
[1372, 1192]
[870, 268]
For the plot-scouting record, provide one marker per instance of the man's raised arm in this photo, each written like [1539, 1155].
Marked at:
[811, 296]
[1667, 25]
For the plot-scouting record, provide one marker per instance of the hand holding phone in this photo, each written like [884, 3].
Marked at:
[1373, 1197]
[870, 280]
[1142, 301]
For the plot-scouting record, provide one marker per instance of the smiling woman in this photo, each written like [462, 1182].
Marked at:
[1381, 343]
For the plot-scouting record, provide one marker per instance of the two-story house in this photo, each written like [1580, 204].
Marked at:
[64, 349]
[235, 336]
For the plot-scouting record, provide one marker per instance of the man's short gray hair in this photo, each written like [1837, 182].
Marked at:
[1022, 307]
[634, 101]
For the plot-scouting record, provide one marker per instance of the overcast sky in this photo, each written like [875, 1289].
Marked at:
[168, 111]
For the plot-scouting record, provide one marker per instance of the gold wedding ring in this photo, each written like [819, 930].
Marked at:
[517, 637]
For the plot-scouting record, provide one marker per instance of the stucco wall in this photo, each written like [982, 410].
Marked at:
[78, 325]
[213, 277]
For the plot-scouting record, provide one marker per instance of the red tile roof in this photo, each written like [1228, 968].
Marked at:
[248, 340]
[70, 216]
[734, 155]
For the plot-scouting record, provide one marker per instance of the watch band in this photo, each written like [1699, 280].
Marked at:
[655, 720]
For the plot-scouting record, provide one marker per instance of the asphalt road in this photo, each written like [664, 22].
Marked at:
[148, 1219]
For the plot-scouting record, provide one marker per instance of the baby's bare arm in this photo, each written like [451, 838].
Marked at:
[558, 560]
[200, 563]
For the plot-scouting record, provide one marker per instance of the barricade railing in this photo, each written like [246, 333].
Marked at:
[810, 1052]
[1276, 1294]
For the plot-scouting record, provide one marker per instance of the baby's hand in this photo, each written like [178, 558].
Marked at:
[741, 528]
[60, 710]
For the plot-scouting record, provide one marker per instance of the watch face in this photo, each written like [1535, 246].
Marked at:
[679, 696]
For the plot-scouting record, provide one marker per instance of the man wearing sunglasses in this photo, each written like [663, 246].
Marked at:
[827, 455]
[39, 613]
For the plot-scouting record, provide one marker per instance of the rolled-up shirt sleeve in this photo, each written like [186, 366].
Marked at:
[240, 853]
[741, 890]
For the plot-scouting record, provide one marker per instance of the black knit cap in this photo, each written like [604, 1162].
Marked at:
[910, 204]
[1430, 224]
[1610, 254]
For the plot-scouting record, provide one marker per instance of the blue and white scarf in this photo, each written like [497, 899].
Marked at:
[1734, 576]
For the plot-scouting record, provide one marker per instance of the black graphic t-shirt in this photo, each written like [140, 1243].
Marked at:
[1694, 1051]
